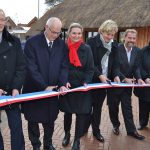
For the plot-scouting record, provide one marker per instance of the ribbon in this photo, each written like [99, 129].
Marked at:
[7, 100]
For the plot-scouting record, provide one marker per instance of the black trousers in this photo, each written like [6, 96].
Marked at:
[94, 118]
[1, 142]
[80, 124]
[15, 126]
[144, 110]
[34, 134]
[113, 104]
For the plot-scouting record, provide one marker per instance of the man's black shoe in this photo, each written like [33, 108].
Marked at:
[136, 135]
[66, 139]
[141, 127]
[99, 137]
[50, 147]
[36, 148]
[76, 145]
[116, 131]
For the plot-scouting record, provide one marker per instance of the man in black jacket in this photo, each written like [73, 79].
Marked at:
[12, 74]
[144, 93]
[47, 67]
[128, 55]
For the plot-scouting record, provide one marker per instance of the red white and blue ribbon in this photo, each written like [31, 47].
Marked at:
[7, 100]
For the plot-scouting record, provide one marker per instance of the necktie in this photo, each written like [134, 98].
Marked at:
[50, 46]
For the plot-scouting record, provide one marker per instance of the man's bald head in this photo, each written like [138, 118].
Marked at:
[53, 28]
[53, 21]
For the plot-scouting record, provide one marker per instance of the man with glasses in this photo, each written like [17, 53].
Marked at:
[12, 75]
[47, 68]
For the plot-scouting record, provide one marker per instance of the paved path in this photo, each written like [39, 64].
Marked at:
[112, 142]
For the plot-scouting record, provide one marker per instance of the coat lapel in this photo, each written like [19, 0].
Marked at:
[124, 55]
[43, 48]
[133, 55]
[55, 48]
[5, 46]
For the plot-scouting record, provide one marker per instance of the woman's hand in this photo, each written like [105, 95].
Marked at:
[117, 79]
[103, 78]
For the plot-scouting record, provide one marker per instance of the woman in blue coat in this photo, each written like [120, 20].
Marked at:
[81, 71]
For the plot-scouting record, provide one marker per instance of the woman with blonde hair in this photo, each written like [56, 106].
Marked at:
[105, 56]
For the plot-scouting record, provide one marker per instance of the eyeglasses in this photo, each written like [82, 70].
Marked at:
[53, 32]
[3, 19]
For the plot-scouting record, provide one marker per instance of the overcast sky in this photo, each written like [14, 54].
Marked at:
[22, 11]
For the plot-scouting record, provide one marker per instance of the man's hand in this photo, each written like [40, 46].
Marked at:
[68, 85]
[129, 80]
[63, 90]
[140, 81]
[15, 92]
[147, 81]
[1, 92]
[50, 88]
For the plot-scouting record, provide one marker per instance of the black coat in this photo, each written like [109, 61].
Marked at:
[99, 51]
[127, 70]
[44, 68]
[12, 64]
[144, 93]
[79, 102]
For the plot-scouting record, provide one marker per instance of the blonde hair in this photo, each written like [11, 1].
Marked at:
[75, 25]
[108, 26]
[131, 31]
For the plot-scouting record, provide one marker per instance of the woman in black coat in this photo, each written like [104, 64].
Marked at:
[105, 55]
[80, 74]
[144, 93]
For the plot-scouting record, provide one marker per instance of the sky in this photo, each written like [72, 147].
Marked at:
[23, 11]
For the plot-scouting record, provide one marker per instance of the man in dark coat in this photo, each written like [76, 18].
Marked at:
[144, 93]
[128, 55]
[47, 68]
[12, 74]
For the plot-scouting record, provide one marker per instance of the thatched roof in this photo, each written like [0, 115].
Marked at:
[91, 13]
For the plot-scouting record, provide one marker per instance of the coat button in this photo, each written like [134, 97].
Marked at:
[5, 57]
[5, 72]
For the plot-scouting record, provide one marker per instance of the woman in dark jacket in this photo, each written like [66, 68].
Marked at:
[12, 74]
[80, 74]
[144, 93]
[105, 55]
